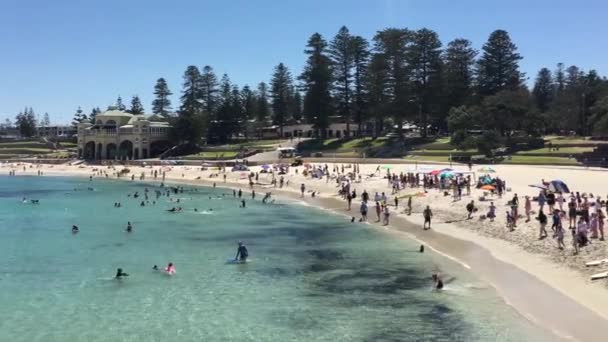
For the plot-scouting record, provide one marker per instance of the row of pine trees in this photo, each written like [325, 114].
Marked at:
[402, 75]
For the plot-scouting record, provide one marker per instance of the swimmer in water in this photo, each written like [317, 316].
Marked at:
[129, 227]
[243, 204]
[170, 269]
[75, 229]
[438, 282]
[155, 268]
[421, 248]
[241, 253]
[120, 274]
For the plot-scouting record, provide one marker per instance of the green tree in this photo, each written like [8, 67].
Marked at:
[79, 117]
[119, 104]
[361, 54]
[162, 103]
[459, 61]
[316, 83]
[498, 67]
[189, 125]
[341, 53]
[488, 142]
[136, 106]
[424, 62]
[46, 120]
[543, 90]
[262, 108]
[377, 78]
[209, 89]
[295, 104]
[248, 105]
[224, 121]
[280, 86]
[26, 123]
[507, 110]
[94, 112]
[391, 45]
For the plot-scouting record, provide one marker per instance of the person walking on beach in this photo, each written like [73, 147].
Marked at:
[470, 209]
[515, 209]
[363, 211]
[386, 215]
[542, 220]
[571, 213]
[492, 212]
[560, 201]
[428, 214]
[302, 189]
[349, 199]
[409, 205]
[541, 200]
[600, 223]
[378, 211]
[560, 238]
[528, 208]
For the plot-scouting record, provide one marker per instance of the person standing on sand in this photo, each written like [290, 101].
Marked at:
[470, 209]
[349, 199]
[542, 220]
[560, 238]
[409, 205]
[365, 196]
[571, 213]
[600, 223]
[378, 211]
[302, 189]
[528, 208]
[386, 215]
[428, 214]
[396, 202]
[515, 209]
[492, 212]
[541, 200]
[560, 201]
[363, 211]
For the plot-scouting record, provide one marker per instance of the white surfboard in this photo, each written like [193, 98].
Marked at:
[599, 276]
[596, 263]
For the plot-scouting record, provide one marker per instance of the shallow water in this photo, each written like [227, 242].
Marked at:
[313, 276]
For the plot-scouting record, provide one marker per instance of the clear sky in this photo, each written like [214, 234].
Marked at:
[56, 55]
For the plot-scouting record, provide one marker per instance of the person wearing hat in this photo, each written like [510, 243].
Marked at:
[241, 252]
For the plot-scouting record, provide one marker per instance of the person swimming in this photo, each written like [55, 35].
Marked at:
[155, 268]
[241, 253]
[129, 227]
[243, 204]
[120, 274]
[75, 229]
[438, 281]
[170, 269]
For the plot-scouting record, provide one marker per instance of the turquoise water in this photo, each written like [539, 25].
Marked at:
[313, 276]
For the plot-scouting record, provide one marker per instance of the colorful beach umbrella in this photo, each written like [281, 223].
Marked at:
[488, 187]
[265, 166]
[558, 186]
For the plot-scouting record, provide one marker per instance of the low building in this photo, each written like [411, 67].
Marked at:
[56, 131]
[117, 135]
[335, 130]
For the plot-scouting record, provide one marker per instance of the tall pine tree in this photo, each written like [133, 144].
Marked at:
[342, 56]
[262, 108]
[189, 126]
[458, 71]
[162, 103]
[119, 104]
[424, 59]
[360, 50]
[79, 117]
[136, 106]
[209, 89]
[316, 82]
[498, 66]
[543, 90]
[280, 86]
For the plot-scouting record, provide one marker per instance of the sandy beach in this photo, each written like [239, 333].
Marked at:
[548, 286]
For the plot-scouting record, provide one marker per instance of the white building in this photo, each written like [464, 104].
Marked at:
[120, 135]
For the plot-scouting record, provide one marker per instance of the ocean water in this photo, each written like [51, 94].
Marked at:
[313, 276]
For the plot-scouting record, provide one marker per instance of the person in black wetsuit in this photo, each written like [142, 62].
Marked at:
[241, 253]
[438, 282]
[120, 274]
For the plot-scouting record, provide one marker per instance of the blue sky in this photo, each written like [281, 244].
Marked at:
[58, 55]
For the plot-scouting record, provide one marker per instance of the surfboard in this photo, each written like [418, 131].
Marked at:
[597, 262]
[599, 276]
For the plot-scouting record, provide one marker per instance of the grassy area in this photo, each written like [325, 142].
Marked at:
[535, 160]
[438, 144]
[339, 145]
[427, 158]
[19, 150]
[562, 150]
[212, 155]
[22, 144]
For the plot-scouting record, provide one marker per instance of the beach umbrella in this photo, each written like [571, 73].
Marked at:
[265, 166]
[488, 187]
[558, 186]
[447, 174]
[486, 169]
[540, 186]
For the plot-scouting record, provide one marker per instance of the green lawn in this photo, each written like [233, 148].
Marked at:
[212, 155]
[22, 144]
[427, 158]
[24, 150]
[562, 150]
[339, 145]
[439, 144]
[533, 160]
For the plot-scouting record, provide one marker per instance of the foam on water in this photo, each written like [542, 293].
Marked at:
[313, 276]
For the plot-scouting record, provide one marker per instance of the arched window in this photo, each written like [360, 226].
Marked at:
[111, 123]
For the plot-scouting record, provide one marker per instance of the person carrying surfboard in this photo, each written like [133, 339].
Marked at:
[241, 252]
